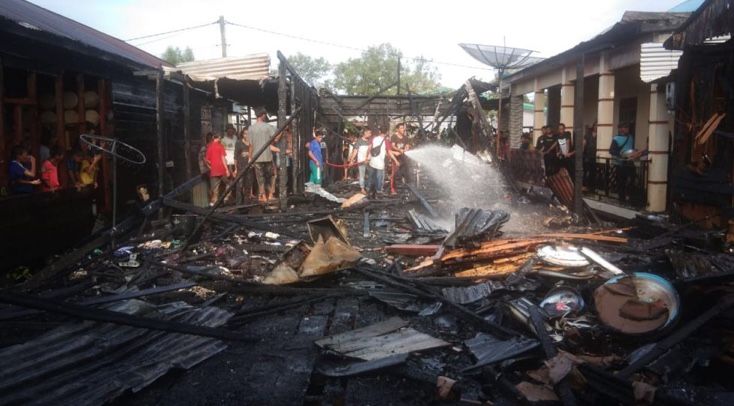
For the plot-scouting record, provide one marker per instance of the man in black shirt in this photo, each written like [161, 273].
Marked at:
[398, 146]
[565, 149]
[548, 148]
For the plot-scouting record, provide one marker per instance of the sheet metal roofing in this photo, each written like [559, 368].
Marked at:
[248, 67]
[91, 363]
[35, 18]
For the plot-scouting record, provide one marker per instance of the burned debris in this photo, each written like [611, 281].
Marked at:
[491, 273]
[472, 311]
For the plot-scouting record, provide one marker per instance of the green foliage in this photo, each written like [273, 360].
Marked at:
[314, 71]
[377, 68]
[175, 56]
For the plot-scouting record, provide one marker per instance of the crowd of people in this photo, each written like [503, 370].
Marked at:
[557, 149]
[58, 169]
[373, 154]
[225, 158]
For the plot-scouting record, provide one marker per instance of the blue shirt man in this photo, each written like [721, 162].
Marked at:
[623, 143]
[316, 160]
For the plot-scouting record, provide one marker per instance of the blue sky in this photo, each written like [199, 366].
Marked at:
[419, 28]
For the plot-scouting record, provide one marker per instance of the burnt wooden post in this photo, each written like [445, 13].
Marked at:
[578, 138]
[159, 133]
[82, 119]
[109, 195]
[283, 160]
[187, 128]
[59, 102]
[3, 140]
[294, 170]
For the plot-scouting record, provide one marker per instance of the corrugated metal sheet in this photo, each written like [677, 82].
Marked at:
[91, 363]
[469, 294]
[488, 349]
[656, 62]
[380, 340]
[33, 17]
[250, 67]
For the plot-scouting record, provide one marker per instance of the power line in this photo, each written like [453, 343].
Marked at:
[171, 32]
[296, 37]
[333, 44]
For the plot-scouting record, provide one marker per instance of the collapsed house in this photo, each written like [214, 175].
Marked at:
[418, 298]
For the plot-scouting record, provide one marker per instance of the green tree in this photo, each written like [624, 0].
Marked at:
[175, 56]
[377, 68]
[314, 71]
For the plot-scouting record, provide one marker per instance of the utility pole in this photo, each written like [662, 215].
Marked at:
[224, 36]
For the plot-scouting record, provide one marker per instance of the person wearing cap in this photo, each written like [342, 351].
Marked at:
[316, 160]
[261, 134]
[216, 160]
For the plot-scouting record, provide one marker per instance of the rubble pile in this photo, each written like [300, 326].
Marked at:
[357, 303]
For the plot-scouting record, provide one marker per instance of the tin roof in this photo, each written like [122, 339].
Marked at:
[248, 67]
[34, 18]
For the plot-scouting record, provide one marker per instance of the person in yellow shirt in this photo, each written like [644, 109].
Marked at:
[88, 172]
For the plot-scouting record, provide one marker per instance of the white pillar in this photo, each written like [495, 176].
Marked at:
[658, 144]
[567, 100]
[605, 111]
[538, 114]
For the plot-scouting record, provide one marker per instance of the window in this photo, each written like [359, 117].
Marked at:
[628, 111]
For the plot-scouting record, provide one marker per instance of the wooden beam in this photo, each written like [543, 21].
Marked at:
[25, 101]
[81, 120]
[187, 128]
[3, 141]
[106, 164]
[18, 122]
[59, 103]
[283, 160]
[159, 115]
[35, 131]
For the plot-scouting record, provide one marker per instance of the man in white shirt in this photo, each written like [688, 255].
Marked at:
[229, 141]
[360, 155]
[378, 152]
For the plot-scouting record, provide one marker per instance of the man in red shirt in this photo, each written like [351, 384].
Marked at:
[50, 170]
[218, 169]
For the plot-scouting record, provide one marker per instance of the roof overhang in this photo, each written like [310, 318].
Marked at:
[715, 18]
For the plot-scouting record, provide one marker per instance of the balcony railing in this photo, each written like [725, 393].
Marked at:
[608, 178]
[527, 166]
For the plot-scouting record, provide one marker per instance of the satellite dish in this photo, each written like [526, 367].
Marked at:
[116, 148]
[501, 58]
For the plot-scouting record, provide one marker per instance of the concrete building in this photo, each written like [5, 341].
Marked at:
[616, 61]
